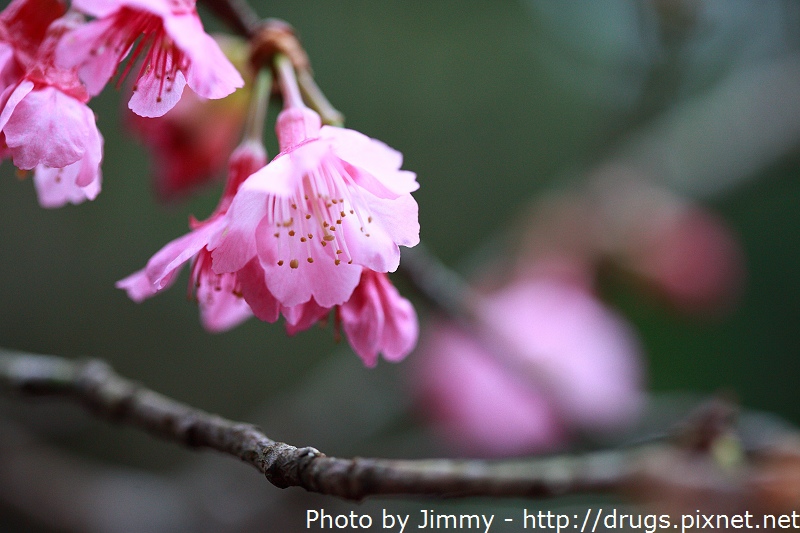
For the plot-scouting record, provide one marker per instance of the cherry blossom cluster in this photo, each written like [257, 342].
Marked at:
[308, 235]
[53, 61]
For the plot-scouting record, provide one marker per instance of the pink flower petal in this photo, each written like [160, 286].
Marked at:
[96, 64]
[295, 280]
[370, 154]
[329, 285]
[210, 73]
[370, 245]
[399, 218]
[588, 355]
[74, 183]
[221, 309]
[8, 66]
[154, 96]
[377, 319]
[401, 329]
[473, 403]
[103, 8]
[163, 266]
[48, 127]
[278, 177]
[389, 224]
[378, 166]
[301, 317]
[234, 245]
[254, 289]
[11, 98]
[138, 286]
[363, 321]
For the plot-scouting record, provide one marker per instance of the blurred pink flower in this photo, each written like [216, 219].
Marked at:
[669, 246]
[333, 201]
[176, 50]
[219, 296]
[565, 365]
[691, 259]
[47, 125]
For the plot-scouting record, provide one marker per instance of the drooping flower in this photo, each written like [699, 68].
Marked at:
[219, 296]
[192, 143]
[333, 201]
[176, 51]
[47, 126]
[565, 364]
[376, 319]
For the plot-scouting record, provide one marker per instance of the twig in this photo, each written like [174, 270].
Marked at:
[95, 385]
[441, 287]
[237, 14]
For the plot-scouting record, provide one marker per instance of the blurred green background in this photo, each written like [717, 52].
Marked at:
[491, 104]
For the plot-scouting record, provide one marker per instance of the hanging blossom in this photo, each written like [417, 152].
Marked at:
[333, 197]
[192, 143]
[45, 122]
[332, 203]
[316, 230]
[376, 319]
[176, 51]
[219, 296]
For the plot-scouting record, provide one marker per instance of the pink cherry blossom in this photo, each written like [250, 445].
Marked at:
[219, 296]
[333, 201]
[47, 125]
[566, 364]
[377, 319]
[176, 52]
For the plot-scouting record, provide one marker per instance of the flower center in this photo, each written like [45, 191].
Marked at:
[143, 34]
[309, 225]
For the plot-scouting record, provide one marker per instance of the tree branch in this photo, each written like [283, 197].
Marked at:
[95, 385]
[237, 14]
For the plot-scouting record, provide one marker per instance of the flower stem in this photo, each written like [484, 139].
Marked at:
[238, 14]
[259, 102]
[288, 82]
[317, 100]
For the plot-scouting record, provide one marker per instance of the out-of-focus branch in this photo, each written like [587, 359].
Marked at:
[237, 14]
[441, 287]
[95, 385]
